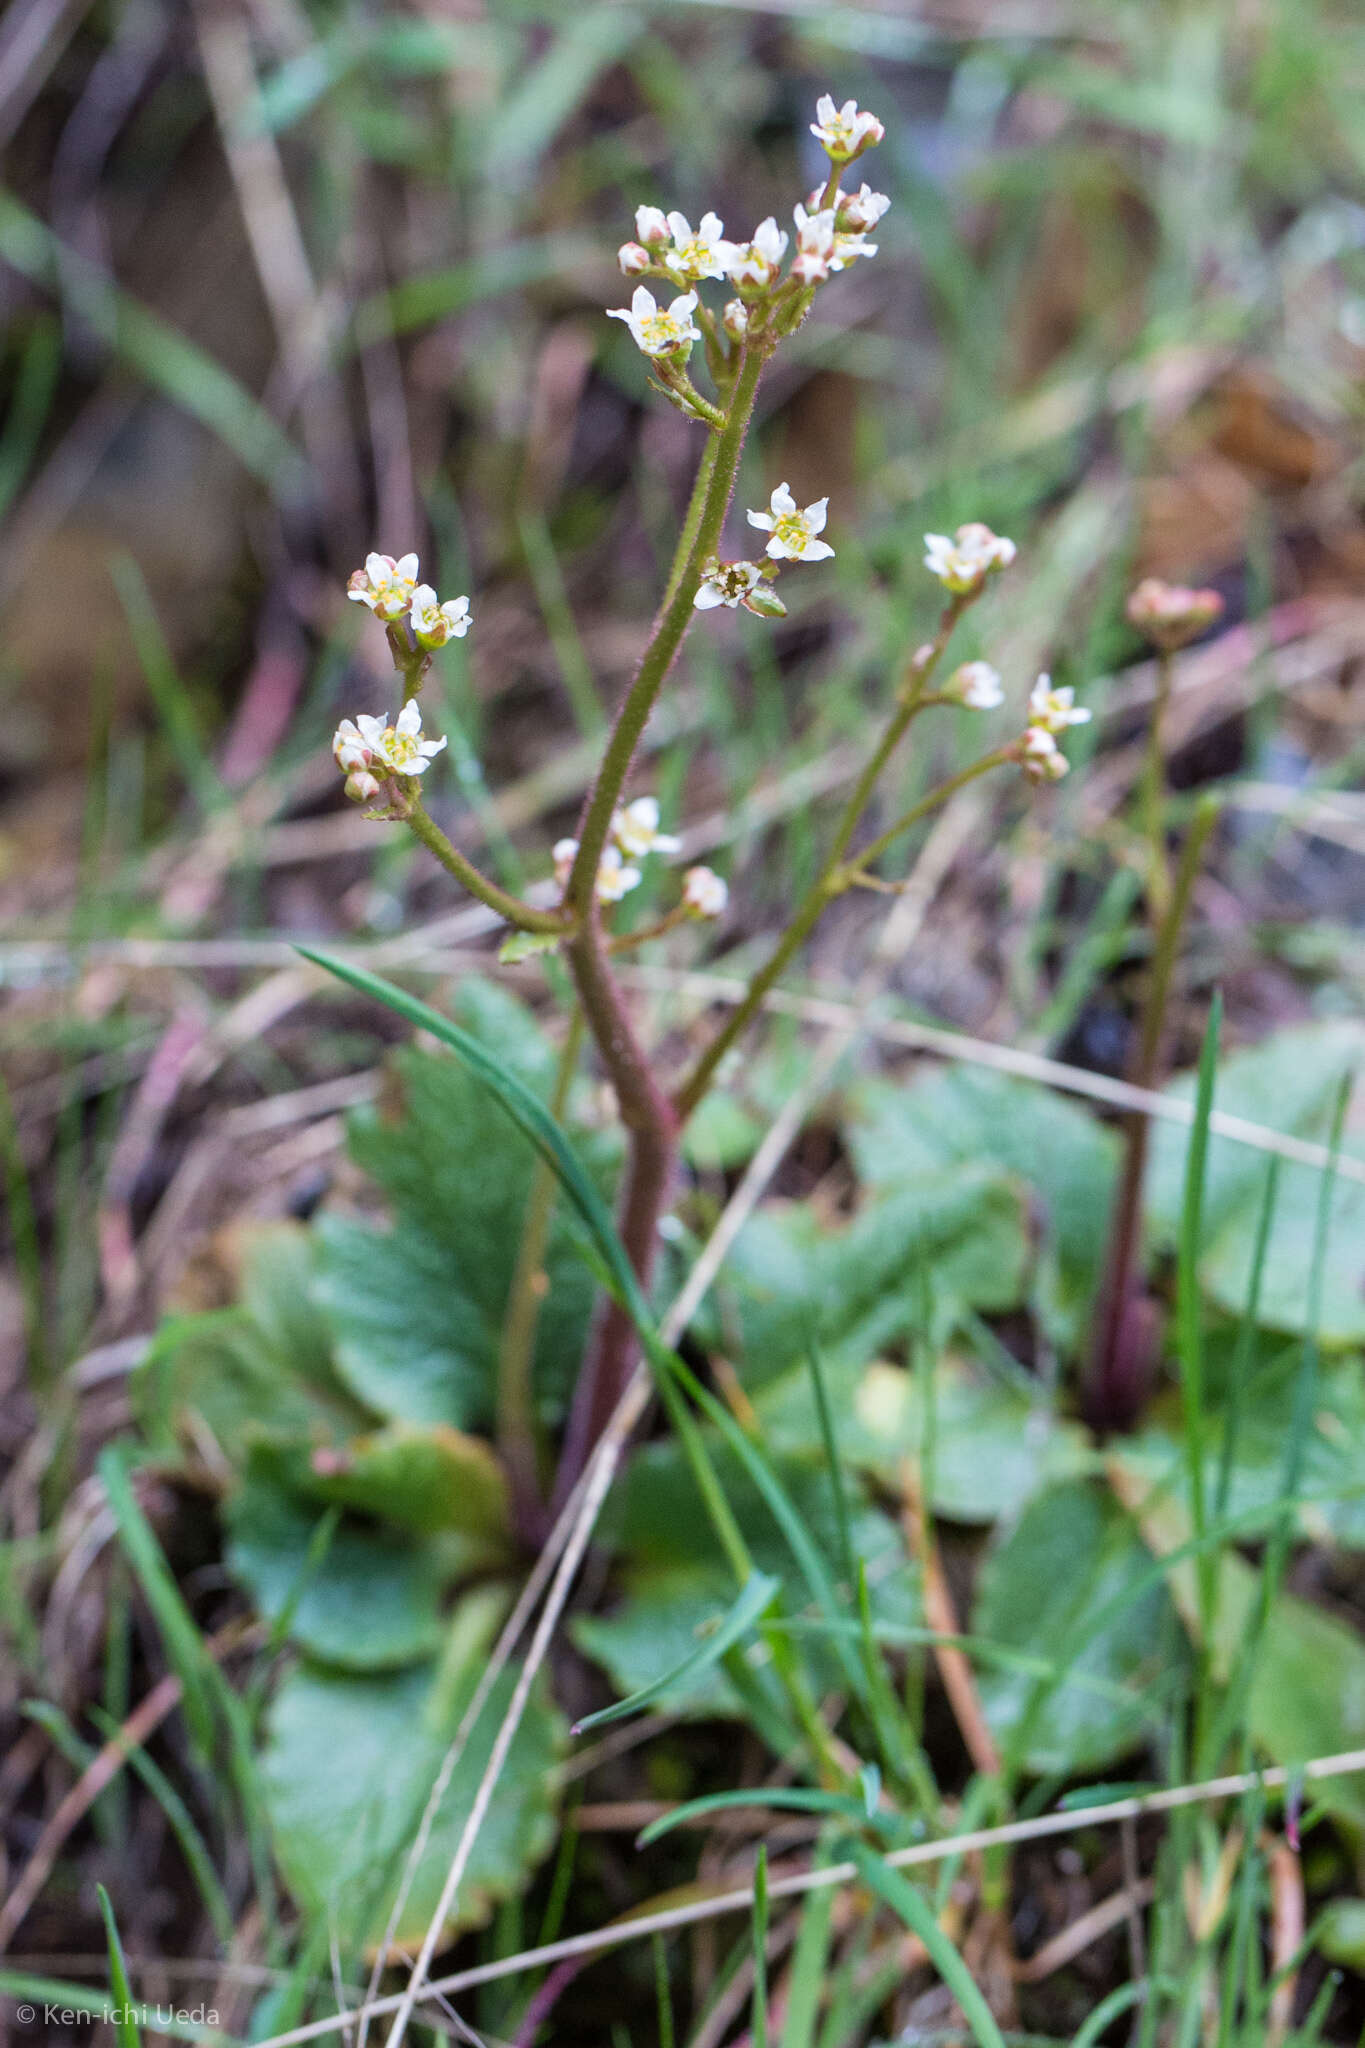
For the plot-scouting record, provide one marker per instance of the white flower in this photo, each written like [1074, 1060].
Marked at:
[564, 853]
[614, 878]
[656, 332]
[963, 563]
[384, 585]
[1052, 711]
[815, 245]
[859, 211]
[756, 262]
[793, 533]
[727, 583]
[651, 226]
[842, 131]
[977, 685]
[435, 623]
[1042, 759]
[693, 256]
[634, 259]
[636, 830]
[400, 747]
[350, 746]
[704, 893]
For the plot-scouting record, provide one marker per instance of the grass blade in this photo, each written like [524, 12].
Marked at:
[126, 2031]
[915, 1911]
[753, 1598]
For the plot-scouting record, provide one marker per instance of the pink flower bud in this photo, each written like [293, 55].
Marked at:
[634, 259]
[1171, 614]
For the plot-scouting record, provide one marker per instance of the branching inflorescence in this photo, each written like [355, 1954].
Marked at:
[768, 284]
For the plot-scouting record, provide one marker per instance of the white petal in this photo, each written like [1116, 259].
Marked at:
[816, 514]
[824, 107]
[707, 598]
[409, 720]
[781, 501]
[378, 568]
[424, 598]
[712, 227]
[681, 309]
[642, 303]
[816, 551]
[679, 227]
[406, 568]
[760, 519]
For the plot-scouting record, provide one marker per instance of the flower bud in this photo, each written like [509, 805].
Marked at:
[704, 893]
[634, 259]
[735, 319]
[1170, 615]
[651, 226]
[361, 787]
[765, 601]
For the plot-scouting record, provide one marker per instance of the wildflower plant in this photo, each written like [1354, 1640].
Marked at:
[701, 296]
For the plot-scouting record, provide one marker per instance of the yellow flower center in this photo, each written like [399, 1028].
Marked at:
[792, 530]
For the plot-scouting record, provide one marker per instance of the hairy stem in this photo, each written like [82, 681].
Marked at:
[516, 1424]
[650, 1120]
[522, 915]
[1116, 1380]
[673, 622]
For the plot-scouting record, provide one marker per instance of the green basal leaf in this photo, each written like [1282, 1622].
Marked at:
[371, 1602]
[417, 1309]
[1045, 1582]
[992, 1446]
[350, 1761]
[963, 1116]
[791, 1281]
[1289, 1082]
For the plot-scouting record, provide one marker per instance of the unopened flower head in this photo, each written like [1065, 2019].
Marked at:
[736, 583]
[704, 893]
[1042, 759]
[362, 787]
[1170, 614]
[754, 264]
[857, 212]
[635, 829]
[963, 562]
[659, 332]
[1052, 710]
[735, 319]
[385, 585]
[977, 685]
[634, 259]
[433, 622]
[698, 255]
[793, 532]
[651, 226]
[815, 246]
[843, 132]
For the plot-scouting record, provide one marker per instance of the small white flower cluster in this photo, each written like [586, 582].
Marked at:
[635, 834]
[390, 589]
[793, 536]
[1050, 713]
[369, 750]
[830, 234]
[963, 562]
